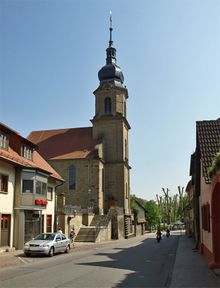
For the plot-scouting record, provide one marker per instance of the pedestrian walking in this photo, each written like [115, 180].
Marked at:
[72, 235]
[59, 230]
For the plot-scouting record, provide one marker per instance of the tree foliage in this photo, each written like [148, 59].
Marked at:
[171, 206]
[165, 210]
[153, 217]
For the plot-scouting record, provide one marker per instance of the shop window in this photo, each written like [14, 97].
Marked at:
[108, 105]
[41, 188]
[27, 186]
[49, 223]
[3, 183]
[50, 193]
[32, 224]
[72, 177]
[5, 221]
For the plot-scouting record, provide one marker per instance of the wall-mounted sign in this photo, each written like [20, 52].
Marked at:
[5, 218]
[40, 202]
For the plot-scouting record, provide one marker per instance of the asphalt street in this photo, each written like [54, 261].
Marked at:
[136, 262]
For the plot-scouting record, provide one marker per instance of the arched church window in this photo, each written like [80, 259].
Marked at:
[108, 105]
[72, 177]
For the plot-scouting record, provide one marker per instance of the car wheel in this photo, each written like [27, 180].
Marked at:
[67, 249]
[51, 252]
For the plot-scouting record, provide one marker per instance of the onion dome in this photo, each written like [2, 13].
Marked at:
[111, 72]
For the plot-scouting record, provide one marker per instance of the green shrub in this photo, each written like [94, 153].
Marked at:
[215, 166]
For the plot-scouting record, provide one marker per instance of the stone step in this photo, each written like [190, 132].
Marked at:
[86, 235]
[96, 219]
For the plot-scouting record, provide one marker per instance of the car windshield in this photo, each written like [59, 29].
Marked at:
[45, 236]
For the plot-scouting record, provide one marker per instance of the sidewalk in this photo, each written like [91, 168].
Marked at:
[190, 268]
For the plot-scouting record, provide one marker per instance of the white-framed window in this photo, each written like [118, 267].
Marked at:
[4, 140]
[27, 152]
[41, 188]
[49, 193]
[34, 182]
[27, 186]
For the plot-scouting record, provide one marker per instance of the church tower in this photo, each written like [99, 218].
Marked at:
[110, 127]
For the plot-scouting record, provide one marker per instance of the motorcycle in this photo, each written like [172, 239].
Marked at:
[158, 238]
[168, 233]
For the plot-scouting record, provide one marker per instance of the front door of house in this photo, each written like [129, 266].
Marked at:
[5, 230]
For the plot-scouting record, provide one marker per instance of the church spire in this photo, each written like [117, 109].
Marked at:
[110, 51]
[110, 29]
[111, 72]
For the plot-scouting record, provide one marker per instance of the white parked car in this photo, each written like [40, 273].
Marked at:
[48, 244]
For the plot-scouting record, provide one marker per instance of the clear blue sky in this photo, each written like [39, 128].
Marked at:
[52, 50]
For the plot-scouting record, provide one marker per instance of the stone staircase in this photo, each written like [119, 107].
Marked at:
[86, 234]
[89, 233]
[97, 219]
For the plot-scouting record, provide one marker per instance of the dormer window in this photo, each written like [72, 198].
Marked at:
[27, 152]
[4, 140]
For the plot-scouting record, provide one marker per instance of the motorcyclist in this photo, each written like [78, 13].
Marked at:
[168, 232]
[158, 235]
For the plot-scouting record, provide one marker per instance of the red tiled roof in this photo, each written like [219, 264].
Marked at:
[38, 162]
[208, 137]
[71, 143]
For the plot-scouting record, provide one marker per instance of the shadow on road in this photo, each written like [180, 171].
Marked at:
[148, 264]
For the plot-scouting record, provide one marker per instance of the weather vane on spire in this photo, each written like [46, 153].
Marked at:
[110, 29]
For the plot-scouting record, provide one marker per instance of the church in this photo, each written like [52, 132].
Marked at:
[94, 161]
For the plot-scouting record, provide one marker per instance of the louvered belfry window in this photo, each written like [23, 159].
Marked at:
[108, 105]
